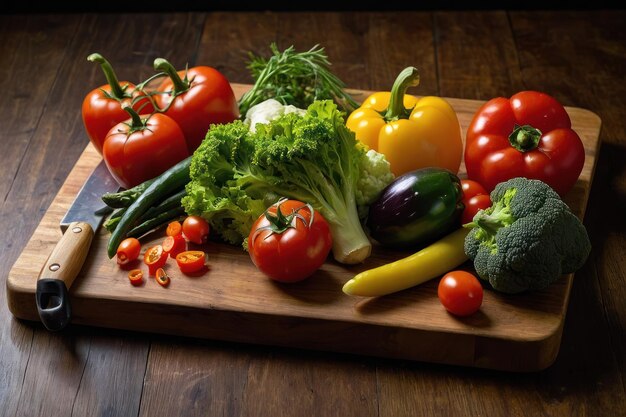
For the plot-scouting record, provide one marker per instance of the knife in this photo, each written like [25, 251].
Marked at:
[79, 226]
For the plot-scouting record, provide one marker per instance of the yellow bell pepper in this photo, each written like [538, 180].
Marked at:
[411, 132]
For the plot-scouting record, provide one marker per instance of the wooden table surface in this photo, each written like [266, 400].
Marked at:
[577, 56]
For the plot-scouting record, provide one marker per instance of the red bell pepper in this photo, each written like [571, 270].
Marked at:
[195, 99]
[143, 147]
[102, 106]
[528, 135]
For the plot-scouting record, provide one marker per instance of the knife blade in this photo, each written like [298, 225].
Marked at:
[79, 226]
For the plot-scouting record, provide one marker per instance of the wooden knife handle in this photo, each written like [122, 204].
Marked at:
[58, 274]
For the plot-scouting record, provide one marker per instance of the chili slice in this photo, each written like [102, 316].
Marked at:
[173, 245]
[190, 261]
[174, 229]
[135, 277]
[162, 278]
[155, 258]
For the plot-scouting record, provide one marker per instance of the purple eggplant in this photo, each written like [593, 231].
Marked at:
[417, 208]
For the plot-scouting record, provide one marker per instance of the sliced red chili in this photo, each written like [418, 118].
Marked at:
[155, 258]
[162, 278]
[173, 245]
[174, 229]
[135, 277]
[190, 261]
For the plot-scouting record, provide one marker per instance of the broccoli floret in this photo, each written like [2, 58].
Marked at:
[527, 239]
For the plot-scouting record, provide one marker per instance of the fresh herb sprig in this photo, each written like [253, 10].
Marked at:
[296, 78]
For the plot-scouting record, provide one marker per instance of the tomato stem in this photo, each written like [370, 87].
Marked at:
[136, 122]
[180, 85]
[117, 91]
[525, 138]
[409, 77]
[279, 223]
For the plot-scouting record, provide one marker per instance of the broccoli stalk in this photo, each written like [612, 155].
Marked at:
[527, 239]
[498, 216]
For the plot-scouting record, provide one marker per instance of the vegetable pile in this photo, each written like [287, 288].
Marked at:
[296, 170]
[141, 131]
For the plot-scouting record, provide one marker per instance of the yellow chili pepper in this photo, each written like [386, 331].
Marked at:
[424, 265]
[411, 132]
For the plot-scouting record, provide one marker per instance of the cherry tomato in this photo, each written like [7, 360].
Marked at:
[162, 278]
[190, 261]
[290, 241]
[460, 293]
[196, 229]
[174, 229]
[475, 198]
[155, 257]
[472, 188]
[141, 149]
[135, 277]
[128, 251]
[473, 206]
[173, 245]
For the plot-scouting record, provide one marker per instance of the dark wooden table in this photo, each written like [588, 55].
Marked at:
[577, 56]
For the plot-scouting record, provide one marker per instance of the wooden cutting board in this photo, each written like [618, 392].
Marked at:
[233, 301]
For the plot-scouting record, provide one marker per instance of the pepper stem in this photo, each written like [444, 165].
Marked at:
[116, 89]
[409, 77]
[525, 138]
[180, 85]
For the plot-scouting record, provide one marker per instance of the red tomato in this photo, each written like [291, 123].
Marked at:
[173, 245]
[144, 148]
[460, 293]
[473, 206]
[292, 245]
[102, 106]
[471, 188]
[475, 198]
[128, 250]
[196, 98]
[196, 229]
[528, 135]
[190, 261]
[155, 257]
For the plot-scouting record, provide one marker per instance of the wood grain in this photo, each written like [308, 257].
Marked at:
[233, 301]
